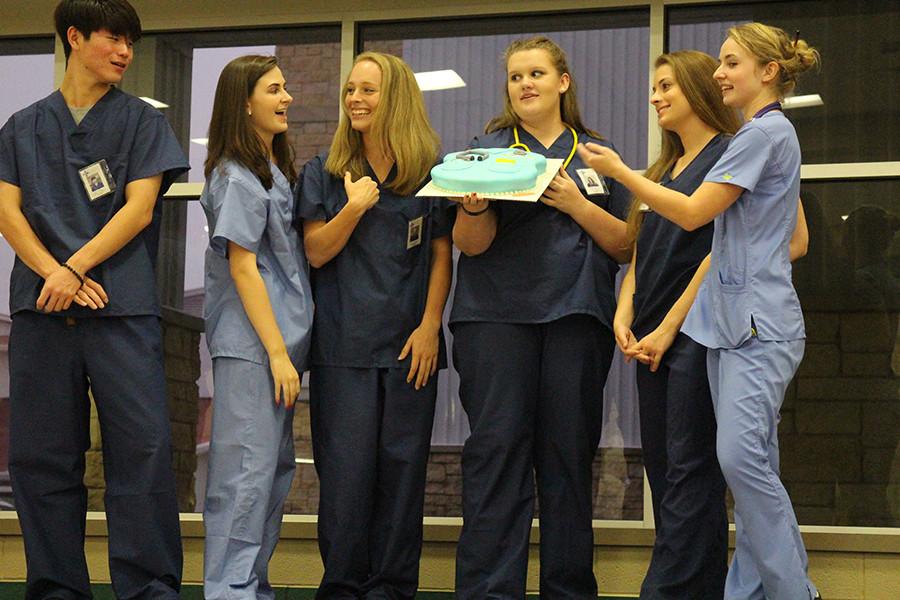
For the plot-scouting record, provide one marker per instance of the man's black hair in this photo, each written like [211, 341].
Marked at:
[88, 16]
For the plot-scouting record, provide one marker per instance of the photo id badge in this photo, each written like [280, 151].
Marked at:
[593, 183]
[97, 180]
[414, 233]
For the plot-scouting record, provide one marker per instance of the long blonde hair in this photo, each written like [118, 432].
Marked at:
[568, 101]
[400, 129]
[693, 72]
[772, 44]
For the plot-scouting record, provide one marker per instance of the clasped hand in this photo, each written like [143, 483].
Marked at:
[650, 349]
[62, 287]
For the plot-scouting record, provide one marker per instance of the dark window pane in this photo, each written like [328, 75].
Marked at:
[26, 66]
[840, 427]
[860, 75]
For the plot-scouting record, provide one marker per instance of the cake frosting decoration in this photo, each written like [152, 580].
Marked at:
[489, 170]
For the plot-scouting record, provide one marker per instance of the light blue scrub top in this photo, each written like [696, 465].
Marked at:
[239, 209]
[749, 281]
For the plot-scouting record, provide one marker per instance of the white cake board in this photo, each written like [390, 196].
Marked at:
[530, 195]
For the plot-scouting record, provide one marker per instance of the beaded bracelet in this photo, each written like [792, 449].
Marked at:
[75, 273]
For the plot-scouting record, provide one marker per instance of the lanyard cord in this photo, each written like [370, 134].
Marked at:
[766, 109]
[519, 144]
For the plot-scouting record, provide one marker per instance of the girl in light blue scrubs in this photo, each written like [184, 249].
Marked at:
[381, 274]
[532, 325]
[258, 313]
[746, 311]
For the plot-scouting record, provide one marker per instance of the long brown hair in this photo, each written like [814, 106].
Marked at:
[231, 135]
[568, 101]
[693, 72]
[772, 44]
[400, 128]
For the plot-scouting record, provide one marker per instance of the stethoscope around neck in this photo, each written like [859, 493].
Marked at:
[524, 147]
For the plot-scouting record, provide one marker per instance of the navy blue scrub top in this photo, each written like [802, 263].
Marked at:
[542, 265]
[667, 255]
[41, 152]
[371, 296]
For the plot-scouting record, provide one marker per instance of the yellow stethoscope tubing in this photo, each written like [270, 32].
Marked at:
[524, 147]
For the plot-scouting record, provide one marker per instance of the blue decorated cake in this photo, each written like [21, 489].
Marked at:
[489, 170]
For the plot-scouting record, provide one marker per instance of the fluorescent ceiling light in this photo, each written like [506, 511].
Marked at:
[154, 103]
[201, 141]
[439, 80]
[803, 101]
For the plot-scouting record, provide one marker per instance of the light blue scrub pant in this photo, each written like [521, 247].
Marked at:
[748, 385]
[251, 466]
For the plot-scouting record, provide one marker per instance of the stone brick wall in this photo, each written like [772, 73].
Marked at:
[312, 72]
[840, 425]
[181, 339]
[618, 479]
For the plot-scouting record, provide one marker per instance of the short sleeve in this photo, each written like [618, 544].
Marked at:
[744, 160]
[9, 170]
[443, 215]
[155, 151]
[619, 199]
[309, 194]
[240, 215]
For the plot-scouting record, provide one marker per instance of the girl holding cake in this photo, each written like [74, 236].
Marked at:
[532, 324]
[381, 274]
[747, 313]
[678, 427]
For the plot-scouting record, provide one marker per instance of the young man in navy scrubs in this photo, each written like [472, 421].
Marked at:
[81, 174]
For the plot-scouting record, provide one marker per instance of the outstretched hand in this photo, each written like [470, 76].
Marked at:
[602, 159]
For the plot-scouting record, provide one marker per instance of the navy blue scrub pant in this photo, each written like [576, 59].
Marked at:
[52, 362]
[371, 433]
[533, 394]
[678, 438]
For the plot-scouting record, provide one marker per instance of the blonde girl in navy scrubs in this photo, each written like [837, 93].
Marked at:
[678, 427]
[258, 312]
[532, 325]
[382, 269]
[747, 312]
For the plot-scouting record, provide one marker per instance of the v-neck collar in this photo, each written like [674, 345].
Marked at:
[560, 147]
[58, 102]
[392, 173]
[694, 160]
